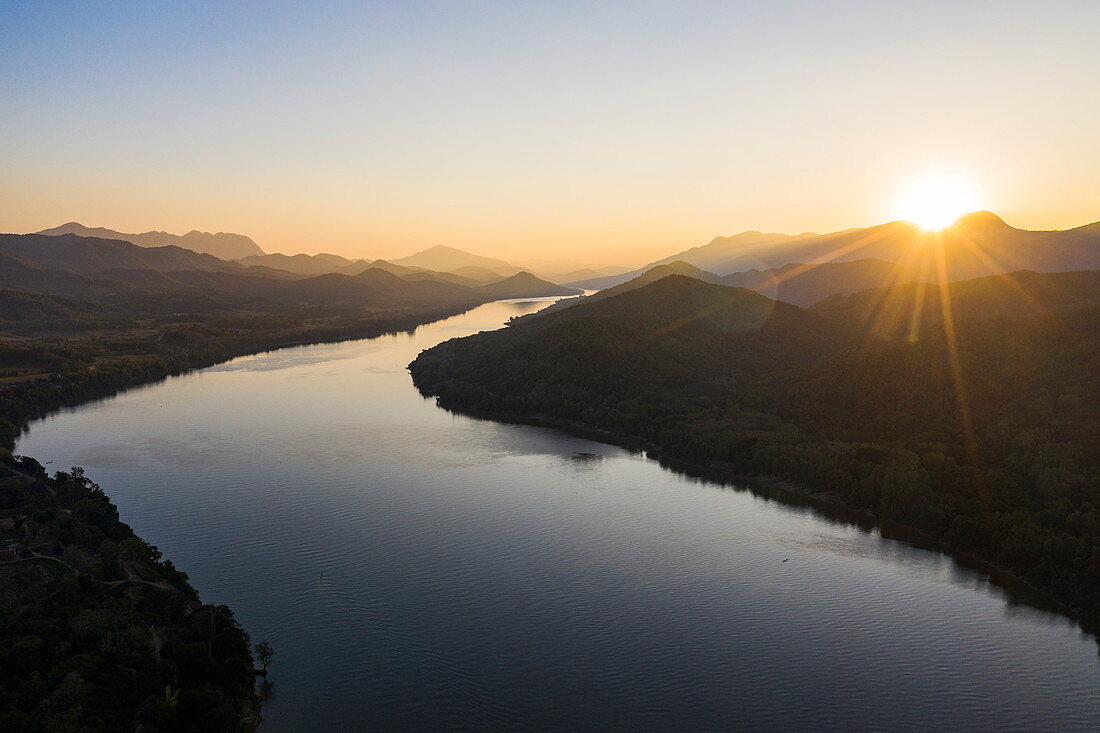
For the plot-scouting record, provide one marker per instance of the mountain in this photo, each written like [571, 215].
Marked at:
[523, 285]
[319, 264]
[89, 255]
[575, 275]
[978, 244]
[446, 277]
[795, 283]
[637, 338]
[649, 276]
[448, 259]
[658, 272]
[713, 255]
[17, 273]
[484, 275]
[1025, 296]
[225, 245]
[804, 284]
[170, 279]
[977, 426]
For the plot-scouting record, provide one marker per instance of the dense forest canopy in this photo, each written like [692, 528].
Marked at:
[970, 411]
[98, 631]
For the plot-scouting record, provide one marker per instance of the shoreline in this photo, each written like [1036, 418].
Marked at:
[790, 492]
[93, 390]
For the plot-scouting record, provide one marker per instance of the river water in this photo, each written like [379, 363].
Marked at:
[478, 575]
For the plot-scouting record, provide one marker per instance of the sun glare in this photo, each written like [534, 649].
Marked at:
[935, 202]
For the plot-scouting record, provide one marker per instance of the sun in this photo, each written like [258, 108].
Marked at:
[936, 201]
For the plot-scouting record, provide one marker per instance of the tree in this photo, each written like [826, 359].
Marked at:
[264, 654]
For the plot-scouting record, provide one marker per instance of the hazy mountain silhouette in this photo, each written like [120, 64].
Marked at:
[376, 287]
[978, 244]
[318, 264]
[324, 264]
[577, 274]
[652, 275]
[523, 285]
[89, 255]
[17, 273]
[713, 255]
[794, 283]
[892, 312]
[448, 259]
[419, 274]
[446, 277]
[225, 245]
[805, 285]
[171, 278]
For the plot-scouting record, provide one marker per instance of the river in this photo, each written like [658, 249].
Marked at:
[479, 575]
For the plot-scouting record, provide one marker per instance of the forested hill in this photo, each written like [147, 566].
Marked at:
[998, 457]
[99, 632]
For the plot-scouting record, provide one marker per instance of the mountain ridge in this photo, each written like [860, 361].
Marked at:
[979, 243]
[225, 245]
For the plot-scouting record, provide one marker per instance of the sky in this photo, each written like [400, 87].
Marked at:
[596, 132]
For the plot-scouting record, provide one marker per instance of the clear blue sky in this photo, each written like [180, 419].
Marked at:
[609, 129]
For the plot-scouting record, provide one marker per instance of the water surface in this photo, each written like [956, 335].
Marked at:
[487, 576]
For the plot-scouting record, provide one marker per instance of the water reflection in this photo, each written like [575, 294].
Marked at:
[484, 575]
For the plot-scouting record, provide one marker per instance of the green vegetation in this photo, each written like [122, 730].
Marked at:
[856, 400]
[56, 362]
[98, 631]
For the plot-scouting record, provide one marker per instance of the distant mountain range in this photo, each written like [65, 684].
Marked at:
[448, 259]
[795, 283]
[225, 245]
[319, 264]
[440, 262]
[978, 244]
[801, 269]
[170, 279]
[89, 255]
[523, 285]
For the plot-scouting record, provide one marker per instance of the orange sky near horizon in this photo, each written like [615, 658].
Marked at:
[609, 135]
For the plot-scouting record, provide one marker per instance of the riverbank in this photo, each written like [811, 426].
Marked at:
[108, 635]
[119, 569]
[92, 374]
[828, 504]
[467, 563]
[1005, 471]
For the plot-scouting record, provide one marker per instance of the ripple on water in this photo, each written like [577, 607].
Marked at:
[488, 576]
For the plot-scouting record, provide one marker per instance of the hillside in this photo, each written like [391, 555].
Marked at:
[319, 264]
[117, 271]
[1023, 297]
[649, 276]
[99, 631]
[523, 285]
[978, 244]
[448, 259]
[997, 456]
[414, 274]
[381, 287]
[91, 255]
[795, 283]
[805, 285]
[714, 255]
[225, 245]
